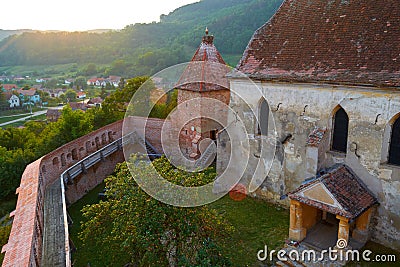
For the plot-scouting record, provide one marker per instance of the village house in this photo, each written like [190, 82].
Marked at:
[53, 115]
[97, 82]
[114, 80]
[95, 102]
[55, 92]
[80, 95]
[102, 82]
[30, 95]
[12, 99]
[9, 87]
[324, 91]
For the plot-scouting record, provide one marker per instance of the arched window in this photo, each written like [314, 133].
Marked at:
[263, 118]
[340, 130]
[394, 147]
[103, 139]
[110, 137]
[97, 140]
[55, 161]
[63, 161]
[88, 146]
[74, 154]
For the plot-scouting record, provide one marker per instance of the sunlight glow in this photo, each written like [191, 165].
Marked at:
[79, 15]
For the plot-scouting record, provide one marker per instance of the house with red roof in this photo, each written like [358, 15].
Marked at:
[10, 87]
[81, 95]
[30, 95]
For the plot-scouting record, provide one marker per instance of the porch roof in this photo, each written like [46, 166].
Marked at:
[339, 191]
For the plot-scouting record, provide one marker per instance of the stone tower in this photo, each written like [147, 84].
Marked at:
[203, 96]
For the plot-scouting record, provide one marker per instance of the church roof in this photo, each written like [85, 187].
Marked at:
[352, 42]
[207, 70]
[339, 191]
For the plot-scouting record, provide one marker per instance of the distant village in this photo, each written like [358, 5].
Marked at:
[21, 92]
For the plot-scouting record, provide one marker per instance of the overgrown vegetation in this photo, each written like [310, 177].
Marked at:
[143, 230]
[133, 227]
[4, 233]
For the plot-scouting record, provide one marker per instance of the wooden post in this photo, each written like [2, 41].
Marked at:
[361, 232]
[344, 228]
[296, 231]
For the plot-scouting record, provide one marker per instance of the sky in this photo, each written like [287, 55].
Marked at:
[78, 15]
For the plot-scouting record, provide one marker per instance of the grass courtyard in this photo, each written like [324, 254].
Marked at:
[256, 224]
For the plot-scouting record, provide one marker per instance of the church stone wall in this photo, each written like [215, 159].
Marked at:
[300, 108]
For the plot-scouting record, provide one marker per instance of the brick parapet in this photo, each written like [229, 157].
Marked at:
[25, 242]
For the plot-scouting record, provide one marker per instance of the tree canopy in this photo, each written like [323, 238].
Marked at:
[19, 147]
[142, 230]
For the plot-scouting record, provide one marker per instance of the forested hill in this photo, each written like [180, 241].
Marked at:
[146, 48]
[5, 33]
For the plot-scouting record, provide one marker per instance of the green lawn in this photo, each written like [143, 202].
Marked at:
[21, 123]
[256, 224]
[10, 112]
[7, 119]
[82, 257]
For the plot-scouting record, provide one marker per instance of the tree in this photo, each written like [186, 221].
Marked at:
[81, 82]
[115, 105]
[103, 93]
[118, 68]
[19, 147]
[44, 96]
[70, 95]
[136, 227]
[12, 165]
[121, 83]
[52, 83]
[4, 234]
[3, 100]
[71, 125]
[90, 69]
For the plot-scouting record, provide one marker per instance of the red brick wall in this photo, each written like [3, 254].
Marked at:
[24, 244]
[94, 176]
[202, 108]
[153, 129]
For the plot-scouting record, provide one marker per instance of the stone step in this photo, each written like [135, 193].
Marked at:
[281, 264]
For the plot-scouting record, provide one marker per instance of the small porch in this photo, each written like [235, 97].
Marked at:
[329, 229]
[335, 206]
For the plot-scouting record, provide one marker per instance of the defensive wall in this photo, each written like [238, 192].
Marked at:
[25, 244]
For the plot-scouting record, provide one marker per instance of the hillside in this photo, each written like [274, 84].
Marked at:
[143, 49]
[5, 33]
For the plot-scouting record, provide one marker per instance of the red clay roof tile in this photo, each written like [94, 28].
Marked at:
[347, 189]
[337, 41]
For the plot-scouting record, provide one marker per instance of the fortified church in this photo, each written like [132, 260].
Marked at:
[330, 74]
